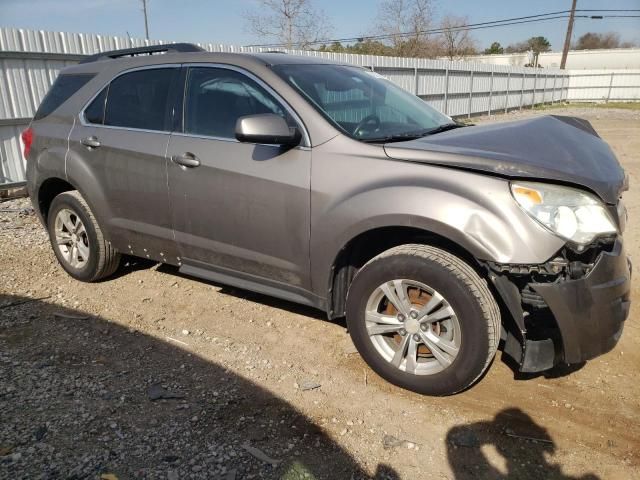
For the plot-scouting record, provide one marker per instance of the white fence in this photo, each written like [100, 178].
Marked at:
[614, 58]
[30, 61]
[609, 85]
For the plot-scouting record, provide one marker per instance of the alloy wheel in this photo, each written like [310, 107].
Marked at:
[71, 238]
[413, 327]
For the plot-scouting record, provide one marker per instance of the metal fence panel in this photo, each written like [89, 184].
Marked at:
[12, 168]
[30, 60]
[598, 85]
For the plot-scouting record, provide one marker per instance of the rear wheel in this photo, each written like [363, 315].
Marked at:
[77, 239]
[423, 319]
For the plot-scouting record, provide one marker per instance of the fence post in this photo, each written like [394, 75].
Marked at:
[506, 100]
[524, 78]
[553, 93]
[544, 90]
[415, 76]
[470, 94]
[610, 87]
[490, 90]
[446, 91]
[535, 84]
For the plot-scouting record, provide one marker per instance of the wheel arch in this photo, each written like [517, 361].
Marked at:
[49, 189]
[369, 243]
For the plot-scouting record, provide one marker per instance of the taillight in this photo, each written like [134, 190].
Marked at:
[27, 140]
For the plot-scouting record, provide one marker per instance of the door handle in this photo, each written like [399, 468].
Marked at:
[91, 142]
[187, 159]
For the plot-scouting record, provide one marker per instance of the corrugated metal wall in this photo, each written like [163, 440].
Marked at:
[599, 85]
[30, 60]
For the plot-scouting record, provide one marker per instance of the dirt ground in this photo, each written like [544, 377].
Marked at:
[155, 375]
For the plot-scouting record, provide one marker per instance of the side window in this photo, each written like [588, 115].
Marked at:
[140, 99]
[217, 97]
[61, 90]
[94, 113]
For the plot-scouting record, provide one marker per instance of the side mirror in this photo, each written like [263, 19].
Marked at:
[266, 128]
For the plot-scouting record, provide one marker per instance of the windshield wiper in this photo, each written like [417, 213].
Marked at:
[398, 137]
[405, 137]
[444, 128]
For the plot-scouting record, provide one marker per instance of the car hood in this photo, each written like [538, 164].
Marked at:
[556, 148]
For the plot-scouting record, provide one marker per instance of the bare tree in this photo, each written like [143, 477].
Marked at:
[456, 42]
[592, 41]
[405, 22]
[295, 23]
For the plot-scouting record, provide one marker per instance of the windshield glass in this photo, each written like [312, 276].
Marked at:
[361, 103]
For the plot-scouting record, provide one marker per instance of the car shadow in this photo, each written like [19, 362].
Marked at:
[82, 396]
[559, 371]
[253, 296]
[511, 446]
[131, 264]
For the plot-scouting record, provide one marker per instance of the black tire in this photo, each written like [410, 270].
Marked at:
[103, 259]
[466, 292]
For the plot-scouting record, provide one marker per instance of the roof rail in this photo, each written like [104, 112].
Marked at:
[149, 50]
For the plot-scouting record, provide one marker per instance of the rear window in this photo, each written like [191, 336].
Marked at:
[63, 88]
[140, 99]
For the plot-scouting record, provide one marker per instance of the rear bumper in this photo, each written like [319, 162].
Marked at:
[590, 311]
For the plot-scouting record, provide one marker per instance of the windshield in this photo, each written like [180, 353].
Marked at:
[361, 103]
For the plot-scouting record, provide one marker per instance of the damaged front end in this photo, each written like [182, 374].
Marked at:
[567, 310]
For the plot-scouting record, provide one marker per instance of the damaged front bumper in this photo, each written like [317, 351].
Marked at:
[566, 311]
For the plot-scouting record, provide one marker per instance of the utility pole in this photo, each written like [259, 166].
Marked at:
[567, 40]
[146, 23]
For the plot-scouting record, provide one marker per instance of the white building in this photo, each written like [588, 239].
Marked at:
[617, 58]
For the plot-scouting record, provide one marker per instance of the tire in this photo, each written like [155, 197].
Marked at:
[468, 333]
[94, 257]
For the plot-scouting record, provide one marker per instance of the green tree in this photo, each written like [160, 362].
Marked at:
[536, 44]
[494, 49]
[539, 44]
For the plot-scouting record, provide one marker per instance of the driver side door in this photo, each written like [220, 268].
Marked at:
[239, 210]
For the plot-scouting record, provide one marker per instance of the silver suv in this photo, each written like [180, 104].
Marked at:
[327, 185]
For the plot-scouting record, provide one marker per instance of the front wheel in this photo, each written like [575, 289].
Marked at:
[423, 319]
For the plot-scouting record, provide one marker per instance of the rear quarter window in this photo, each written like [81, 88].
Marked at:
[61, 90]
[94, 113]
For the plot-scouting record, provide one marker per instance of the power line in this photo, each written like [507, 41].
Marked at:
[473, 26]
[438, 30]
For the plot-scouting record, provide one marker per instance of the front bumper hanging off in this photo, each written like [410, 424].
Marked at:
[589, 313]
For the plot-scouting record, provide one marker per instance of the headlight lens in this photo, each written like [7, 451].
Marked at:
[570, 213]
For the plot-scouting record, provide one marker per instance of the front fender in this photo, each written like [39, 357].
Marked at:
[475, 211]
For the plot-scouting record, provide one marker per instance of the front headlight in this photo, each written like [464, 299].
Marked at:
[570, 213]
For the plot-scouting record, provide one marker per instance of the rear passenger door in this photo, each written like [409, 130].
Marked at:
[121, 142]
[244, 210]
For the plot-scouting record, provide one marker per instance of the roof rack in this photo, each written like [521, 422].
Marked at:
[149, 50]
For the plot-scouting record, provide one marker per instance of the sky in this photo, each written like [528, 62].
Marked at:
[222, 21]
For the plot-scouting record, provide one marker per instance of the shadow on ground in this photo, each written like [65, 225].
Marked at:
[81, 396]
[511, 446]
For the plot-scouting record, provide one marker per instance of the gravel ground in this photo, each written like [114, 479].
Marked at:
[155, 375]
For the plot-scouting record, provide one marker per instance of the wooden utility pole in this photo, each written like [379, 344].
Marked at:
[146, 23]
[567, 40]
